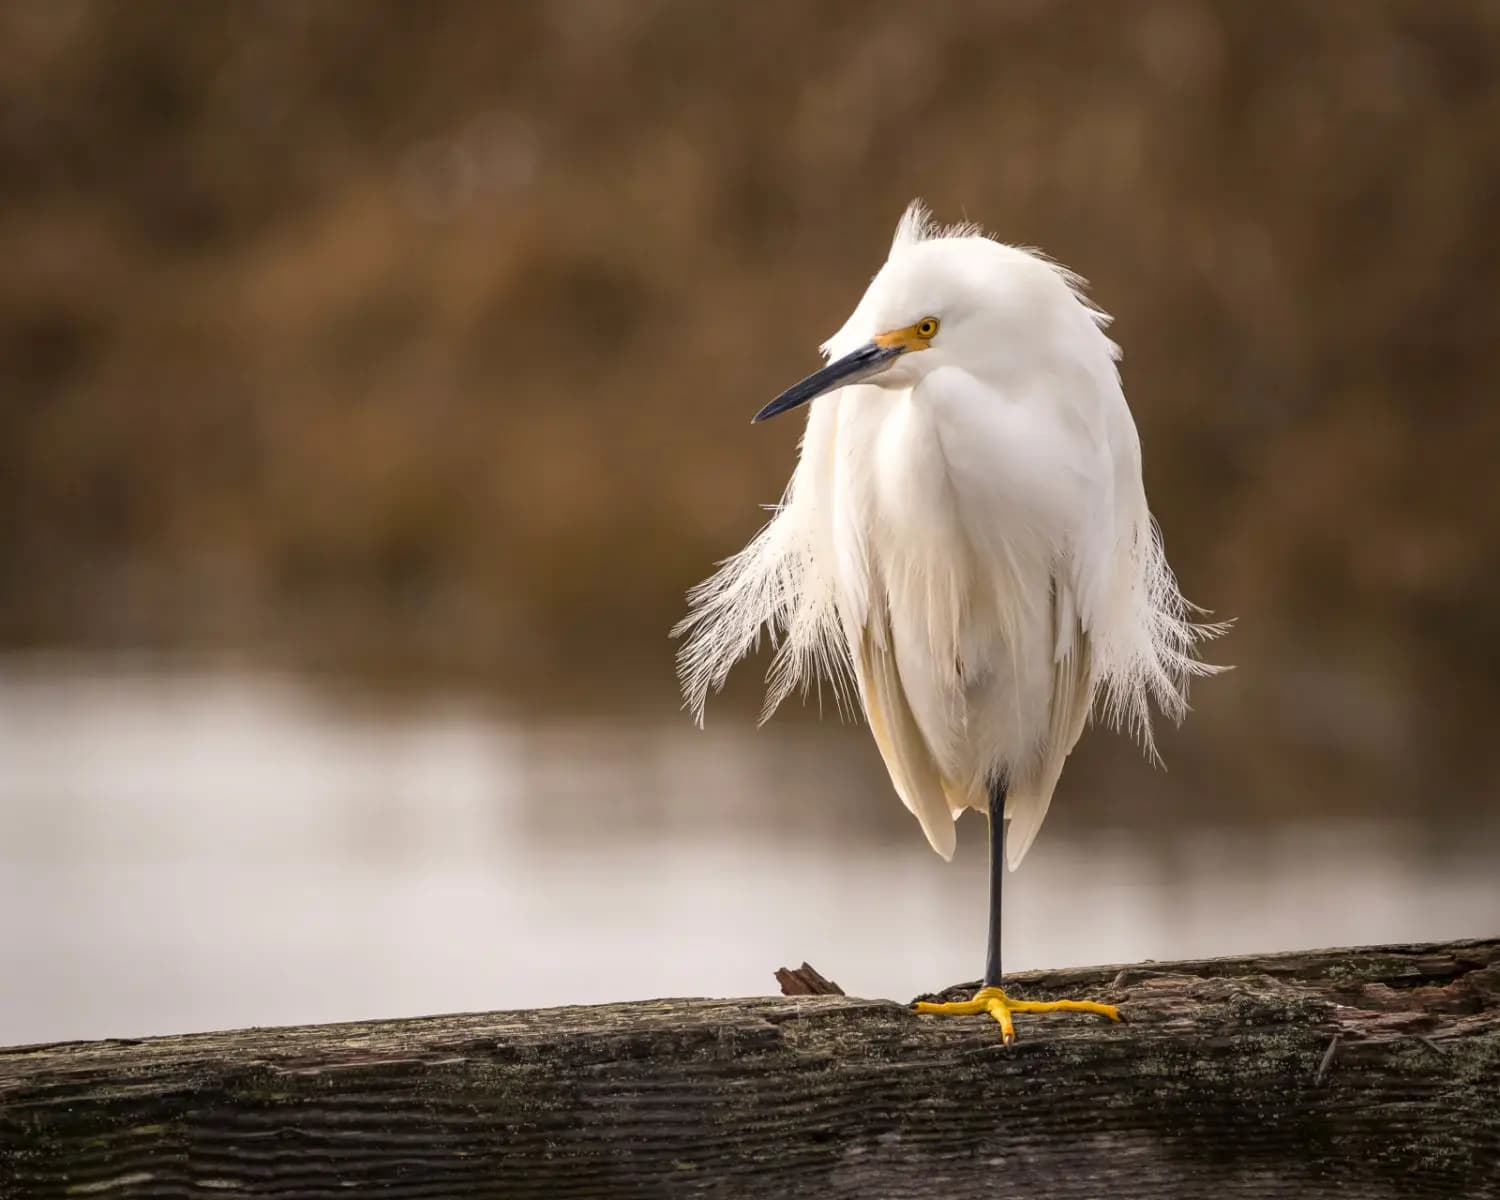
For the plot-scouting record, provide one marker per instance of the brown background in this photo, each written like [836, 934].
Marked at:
[418, 342]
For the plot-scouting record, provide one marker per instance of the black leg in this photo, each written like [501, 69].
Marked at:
[997, 877]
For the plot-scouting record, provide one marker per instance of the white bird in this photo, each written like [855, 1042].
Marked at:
[966, 542]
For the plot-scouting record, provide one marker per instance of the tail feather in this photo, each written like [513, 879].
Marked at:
[1026, 808]
[1026, 803]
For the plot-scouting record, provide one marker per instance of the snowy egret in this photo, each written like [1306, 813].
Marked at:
[964, 548]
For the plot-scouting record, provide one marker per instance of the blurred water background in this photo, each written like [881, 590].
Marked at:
[374, 378]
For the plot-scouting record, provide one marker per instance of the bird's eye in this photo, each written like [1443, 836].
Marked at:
[927, 327]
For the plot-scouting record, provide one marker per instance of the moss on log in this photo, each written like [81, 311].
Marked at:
[1348, 1073]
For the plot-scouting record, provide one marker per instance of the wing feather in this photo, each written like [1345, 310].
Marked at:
[913, 771]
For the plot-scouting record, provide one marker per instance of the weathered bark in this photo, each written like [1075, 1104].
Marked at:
[1222, 1084]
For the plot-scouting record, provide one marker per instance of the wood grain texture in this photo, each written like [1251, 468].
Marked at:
[1222, 1085]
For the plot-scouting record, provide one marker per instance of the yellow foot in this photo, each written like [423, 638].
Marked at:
[995, 1002]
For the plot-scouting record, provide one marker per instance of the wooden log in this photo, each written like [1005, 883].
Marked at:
[1347, 1073]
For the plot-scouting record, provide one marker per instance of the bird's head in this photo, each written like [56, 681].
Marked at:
[947, 297]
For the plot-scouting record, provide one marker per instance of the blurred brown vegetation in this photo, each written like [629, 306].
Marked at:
[426, 336]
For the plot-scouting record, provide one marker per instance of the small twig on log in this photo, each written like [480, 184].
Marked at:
[1327, 1061]
[805, 981]
[1430, 1044]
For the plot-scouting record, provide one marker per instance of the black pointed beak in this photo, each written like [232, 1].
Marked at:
[858, 365]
